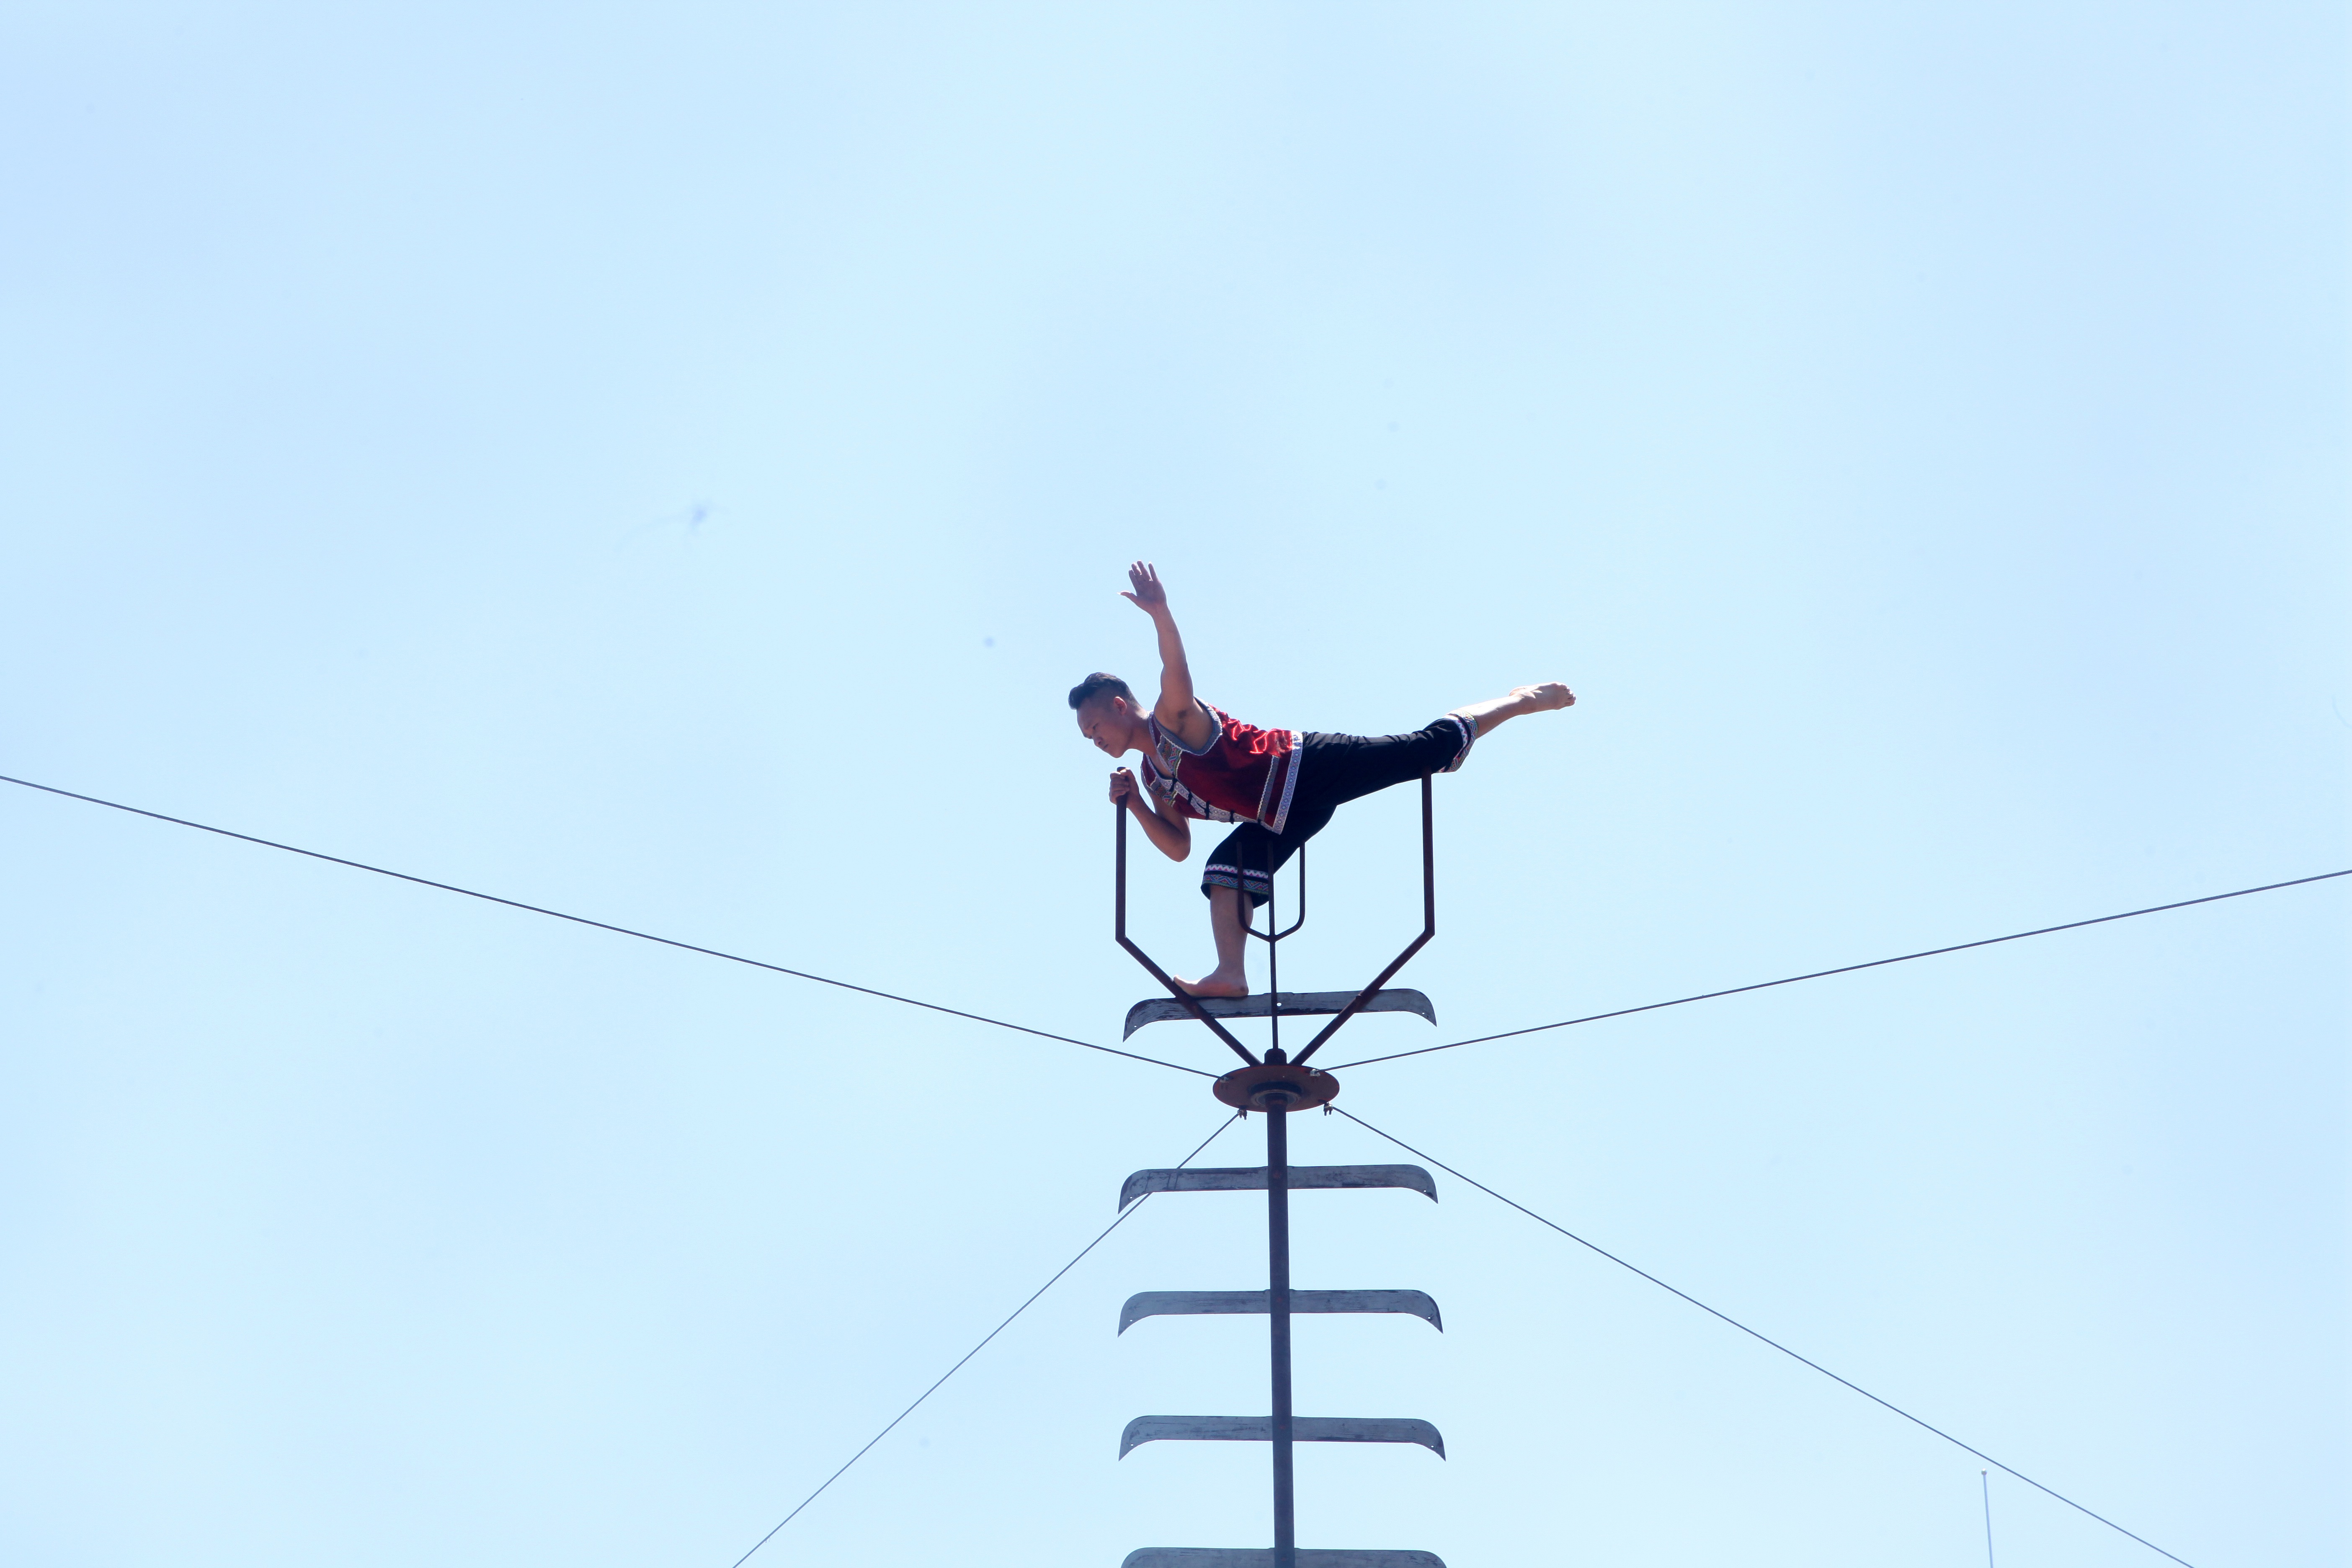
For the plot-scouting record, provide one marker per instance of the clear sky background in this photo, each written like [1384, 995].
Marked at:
[669, 462]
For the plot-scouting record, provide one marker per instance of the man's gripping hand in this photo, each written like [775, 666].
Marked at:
[1148, 596]
[1170, 834]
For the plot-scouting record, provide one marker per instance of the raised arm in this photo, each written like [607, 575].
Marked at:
[1178, 710]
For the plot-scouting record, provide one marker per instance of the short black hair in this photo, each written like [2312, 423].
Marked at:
[1095, 685]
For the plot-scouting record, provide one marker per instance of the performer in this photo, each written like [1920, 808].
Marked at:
[1279, 785]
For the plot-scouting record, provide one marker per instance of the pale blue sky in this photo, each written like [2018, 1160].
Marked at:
[667, 463]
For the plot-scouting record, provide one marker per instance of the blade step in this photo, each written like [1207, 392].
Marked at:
[1295, 1004]
[1173, 1303]
[1260, 1429]
[1225, 1557]
[1251, 1179]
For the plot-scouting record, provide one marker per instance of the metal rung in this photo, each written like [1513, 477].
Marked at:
[1222, 1557]
[1251, 1179]
[1300, 1004]
[1260, 1429]
[1171, 1303]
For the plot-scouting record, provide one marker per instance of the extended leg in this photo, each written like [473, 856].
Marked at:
[1229, 929]
[1523, 700]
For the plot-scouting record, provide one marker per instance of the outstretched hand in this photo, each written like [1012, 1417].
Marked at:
[1148, 596]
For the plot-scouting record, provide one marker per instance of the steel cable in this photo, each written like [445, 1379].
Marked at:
[1841, 969]
[1752, 1333]
[600, 925]
[1125, 1215]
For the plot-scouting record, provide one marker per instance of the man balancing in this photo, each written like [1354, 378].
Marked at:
[1280, 785]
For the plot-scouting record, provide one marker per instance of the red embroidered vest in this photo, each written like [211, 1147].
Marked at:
[1244, 773]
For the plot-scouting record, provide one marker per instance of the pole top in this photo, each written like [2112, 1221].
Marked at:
[1273, 1087]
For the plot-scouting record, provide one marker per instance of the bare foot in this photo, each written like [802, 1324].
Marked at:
[1546, 695]
[1536, 699]
[1215, 984]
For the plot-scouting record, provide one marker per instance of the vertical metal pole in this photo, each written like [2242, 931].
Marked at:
[1273, 971]
[1277, 1247]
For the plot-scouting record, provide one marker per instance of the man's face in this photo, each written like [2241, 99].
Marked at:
[1108, 722]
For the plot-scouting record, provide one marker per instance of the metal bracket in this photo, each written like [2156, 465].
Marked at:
[1251, 1179]
[1196, 1007]
[1185, 1303]
[1269, 935]
[1260, 1429]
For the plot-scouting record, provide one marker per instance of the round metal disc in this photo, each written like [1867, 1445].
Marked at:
[1238, 1088]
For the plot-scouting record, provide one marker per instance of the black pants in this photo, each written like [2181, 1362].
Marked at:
[1332, 771]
